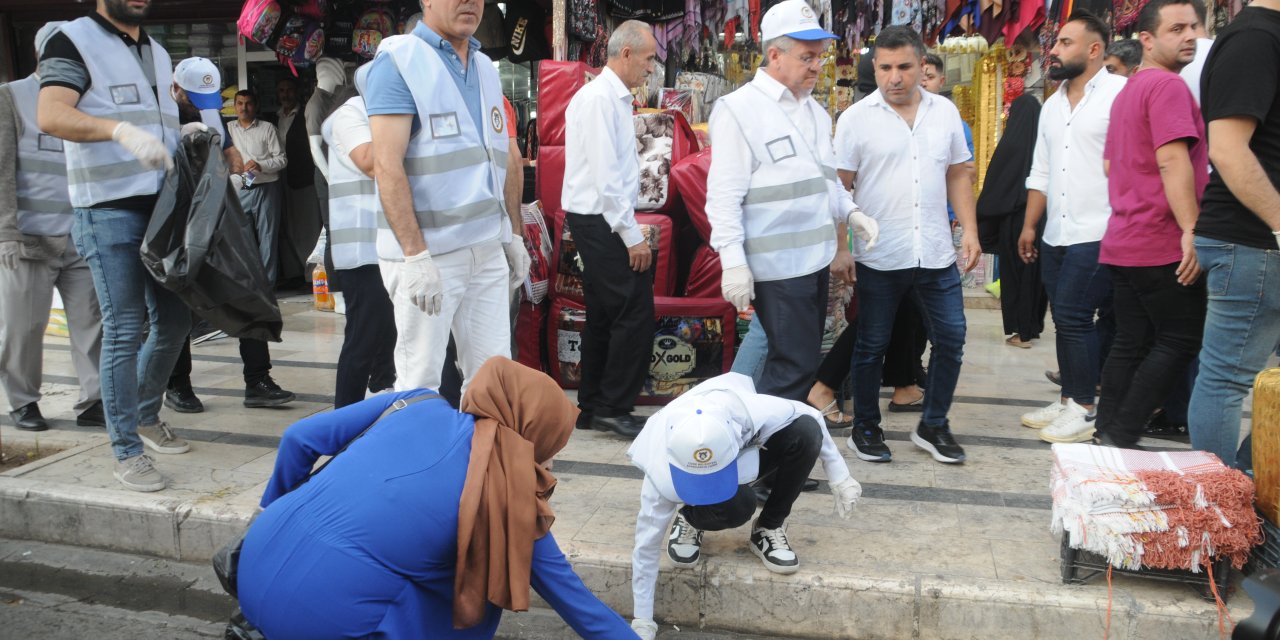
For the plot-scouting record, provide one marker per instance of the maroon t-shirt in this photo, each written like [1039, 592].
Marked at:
[1154, 109]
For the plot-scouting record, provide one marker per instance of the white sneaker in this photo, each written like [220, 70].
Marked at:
[1044, 416]
[1075, 424]
[139, 474]
[684, 545]
[160, 438]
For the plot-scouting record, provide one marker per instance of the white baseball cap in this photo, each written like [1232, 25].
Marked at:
[202, 81]
[792, 18]
[703, 454]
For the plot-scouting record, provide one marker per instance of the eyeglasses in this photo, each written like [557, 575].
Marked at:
[810, 59]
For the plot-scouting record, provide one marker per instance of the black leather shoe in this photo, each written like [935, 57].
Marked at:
[183, 400]
[584, 420]
[624, 425]
[1105, 440]
[266, 393]
[92, 417]
[28, 418]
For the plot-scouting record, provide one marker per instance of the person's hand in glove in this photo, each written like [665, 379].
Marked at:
[420, 281]
[738, 287]
[846, 492]
[646, 629]
[9, 254]
[193, 127]
[864, 227]
[148, 149]
[518, 259]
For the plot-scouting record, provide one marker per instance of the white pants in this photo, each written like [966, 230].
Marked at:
[476, 309]
[27, 295]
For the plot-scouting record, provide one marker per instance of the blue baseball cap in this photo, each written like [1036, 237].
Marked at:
[793, 18]
[702, 451]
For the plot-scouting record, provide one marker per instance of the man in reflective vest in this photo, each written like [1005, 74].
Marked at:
[449, 250]
[104, 90]
[778, 216]
[36, 255]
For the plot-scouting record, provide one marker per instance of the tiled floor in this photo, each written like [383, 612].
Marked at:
[985, 520]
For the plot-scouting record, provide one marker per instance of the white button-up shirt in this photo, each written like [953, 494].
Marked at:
[1067, 165]
[601, 167]
[902, 177]
[761, 416]
[259, 142]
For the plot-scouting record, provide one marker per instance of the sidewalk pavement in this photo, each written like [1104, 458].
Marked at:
[933, 551]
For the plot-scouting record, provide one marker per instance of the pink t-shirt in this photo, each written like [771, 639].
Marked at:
[1154, 109]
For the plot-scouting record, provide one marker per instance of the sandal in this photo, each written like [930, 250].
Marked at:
[1017, 341]
[840, 421]
[915, 406]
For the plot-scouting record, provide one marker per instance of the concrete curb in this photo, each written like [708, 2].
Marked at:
[732, 593]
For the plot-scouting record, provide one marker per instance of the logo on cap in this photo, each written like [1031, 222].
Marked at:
[806, 12]
[703, 456]
[207, 79]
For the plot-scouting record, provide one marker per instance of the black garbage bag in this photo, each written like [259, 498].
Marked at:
[202, 246]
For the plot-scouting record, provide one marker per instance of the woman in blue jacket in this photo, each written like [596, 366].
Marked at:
[426, 527]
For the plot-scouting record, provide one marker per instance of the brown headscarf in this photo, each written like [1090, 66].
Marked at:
[522, 419]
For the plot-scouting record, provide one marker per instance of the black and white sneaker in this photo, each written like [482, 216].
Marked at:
[868, 444]
[773, 549]
[684, 546]
[939, 442]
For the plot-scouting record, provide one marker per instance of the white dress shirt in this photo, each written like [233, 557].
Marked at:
[258, 142]
[729, 177]
[1067, 164]
[601, 167]
[765, 416]
[902, 177]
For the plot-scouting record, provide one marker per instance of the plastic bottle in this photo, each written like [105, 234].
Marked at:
[320, 289]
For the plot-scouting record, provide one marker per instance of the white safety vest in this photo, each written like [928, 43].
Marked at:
[44, 208]
[786, 214]
[102, 171]
[354, 209]
[456, 168]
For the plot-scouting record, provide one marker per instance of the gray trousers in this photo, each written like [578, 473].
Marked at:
[27, 295]
[262, 204]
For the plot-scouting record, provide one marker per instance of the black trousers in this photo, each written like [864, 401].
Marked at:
[792, 312]
[902, 361]
[1023, 301]
[367, 359]
[786, 458]
[1159, 326]
[181, 376]
[617, 341]
[257, 360]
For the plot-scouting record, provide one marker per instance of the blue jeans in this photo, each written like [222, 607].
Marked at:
[749, 361]
[134, 372]
[940, 299]
[1241, 329]
[1078, 289]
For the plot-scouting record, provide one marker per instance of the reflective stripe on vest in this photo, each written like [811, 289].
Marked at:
[102, 171]
[786, 214]
[354, 209]
[456, 167]
[44, 208]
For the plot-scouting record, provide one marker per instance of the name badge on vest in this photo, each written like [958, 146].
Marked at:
[125, 94]
[781, 149]
[445, 125]
[47, 142]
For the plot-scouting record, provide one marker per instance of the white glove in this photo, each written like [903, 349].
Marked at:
[148, 149]
[864, 227]
[194, 127]
[646, 629]
[518, 260]
[237, 181]
[420, 281]
[10, 250]
[847, 492]
[737, 286]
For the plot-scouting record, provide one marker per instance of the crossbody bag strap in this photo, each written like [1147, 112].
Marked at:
[395, 406]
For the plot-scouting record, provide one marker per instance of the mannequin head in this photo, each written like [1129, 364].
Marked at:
[330, 74]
